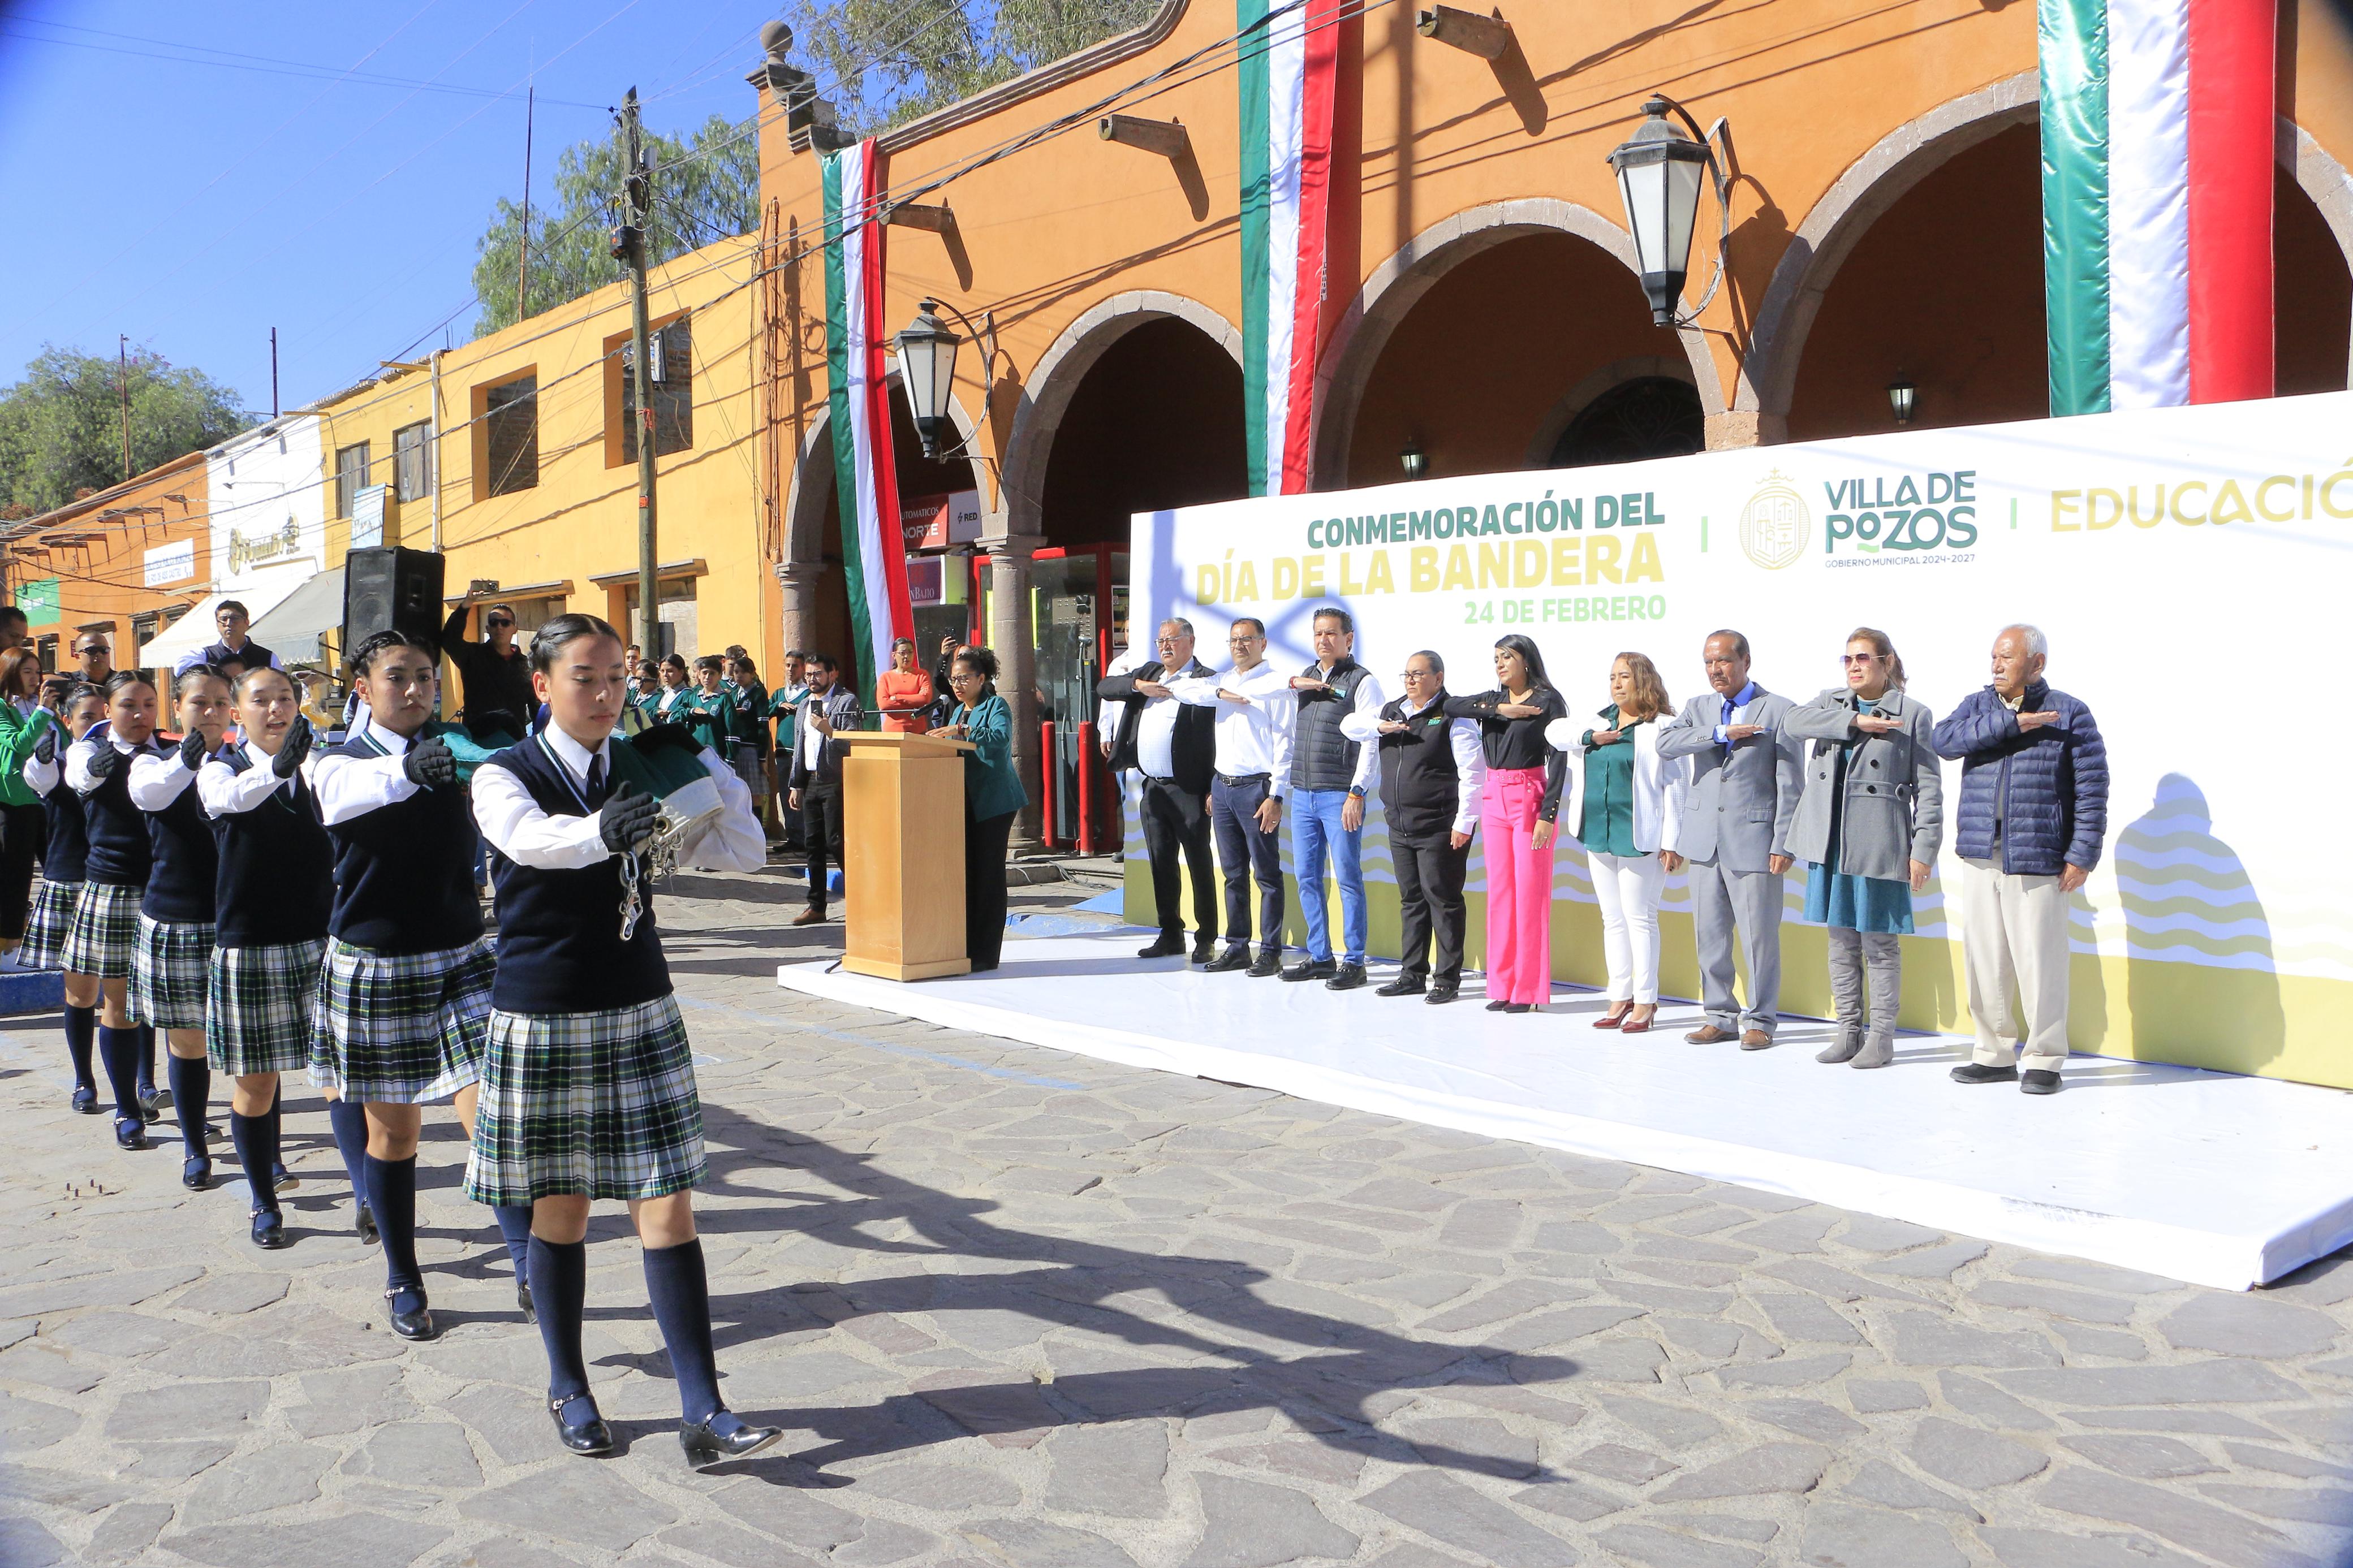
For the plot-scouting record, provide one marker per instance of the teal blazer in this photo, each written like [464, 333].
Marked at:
[991, 783]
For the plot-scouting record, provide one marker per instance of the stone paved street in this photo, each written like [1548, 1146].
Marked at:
[1030, 1309]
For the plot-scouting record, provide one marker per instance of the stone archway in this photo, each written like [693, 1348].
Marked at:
[1354, 350]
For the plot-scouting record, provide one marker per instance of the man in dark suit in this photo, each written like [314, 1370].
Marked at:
[814, 784]
[1173, 746]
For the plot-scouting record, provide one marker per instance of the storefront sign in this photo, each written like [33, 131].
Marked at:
[934, 522]
[170, 564]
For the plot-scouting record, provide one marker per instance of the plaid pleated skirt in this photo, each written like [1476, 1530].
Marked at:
[45, 927]
[105, 929]
[170, 964]
[261, 1009]
[601, 1105]
[401, 1028]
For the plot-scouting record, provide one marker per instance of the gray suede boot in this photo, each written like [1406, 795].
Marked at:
[1885, 960]
[1846, 996]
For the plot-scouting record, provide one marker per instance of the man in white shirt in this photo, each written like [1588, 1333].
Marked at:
[1255, 711]
[1171, 744]
[1431, 772]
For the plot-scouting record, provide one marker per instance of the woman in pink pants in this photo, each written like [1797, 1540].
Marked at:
[1516, 812]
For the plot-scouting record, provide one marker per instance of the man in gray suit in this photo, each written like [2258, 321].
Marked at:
[1746, 777]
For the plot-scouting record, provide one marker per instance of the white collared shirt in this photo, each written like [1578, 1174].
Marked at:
[1368, 701]
[1253, 736]
[353, 787]
[1462, 739]
[516, 827]
[78, 758]
[226, 792]
[159, 778]
[1156, 729]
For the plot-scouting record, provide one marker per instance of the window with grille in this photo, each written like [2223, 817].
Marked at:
[510, 423]
[350, 476]
[412, 462]
[669, 373]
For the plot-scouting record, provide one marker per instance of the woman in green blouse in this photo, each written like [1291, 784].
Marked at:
[993, 797]
[1630, 808]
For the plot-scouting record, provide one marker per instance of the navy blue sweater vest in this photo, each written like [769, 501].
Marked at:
[120, 852]
[186, 861]
[1321, 757]
[277, 879]
[405, 872]
[560, 947]
[64, 859]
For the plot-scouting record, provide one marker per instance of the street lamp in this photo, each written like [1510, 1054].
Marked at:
[927, 354]
[1900, 396]
[1413, 460]
[1659, 170]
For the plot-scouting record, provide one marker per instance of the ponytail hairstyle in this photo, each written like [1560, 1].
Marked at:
[122, 679]
[1884, 648]
[363, 656]
[196, 672]
[551, 638]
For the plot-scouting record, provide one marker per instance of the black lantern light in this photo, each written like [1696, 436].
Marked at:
[1413, 460]
[927, 354]
[1900, 396]
[1659, 173]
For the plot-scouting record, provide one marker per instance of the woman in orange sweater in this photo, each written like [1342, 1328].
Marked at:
[904, 693]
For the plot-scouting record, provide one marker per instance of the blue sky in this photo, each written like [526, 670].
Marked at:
[195, 206]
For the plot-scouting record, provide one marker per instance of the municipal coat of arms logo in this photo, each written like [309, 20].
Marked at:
[1775, 525]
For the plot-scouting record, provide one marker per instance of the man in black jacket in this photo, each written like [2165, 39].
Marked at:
[1174, 746]
[496, 673]
[814, 784]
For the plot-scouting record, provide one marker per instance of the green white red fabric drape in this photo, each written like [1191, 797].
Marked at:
[866, 484]
[1289, 70]
[2156, 200]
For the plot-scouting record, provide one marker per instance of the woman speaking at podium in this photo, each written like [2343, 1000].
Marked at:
[993, 797]
[589, 1085]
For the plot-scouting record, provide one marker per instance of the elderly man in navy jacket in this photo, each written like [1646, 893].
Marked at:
[2033, 811]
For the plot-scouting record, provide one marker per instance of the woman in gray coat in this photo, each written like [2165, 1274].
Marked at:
[1868, 823]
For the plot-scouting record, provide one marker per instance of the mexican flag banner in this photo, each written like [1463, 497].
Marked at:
[2157, 201]
[1289, 66]
[866, 483]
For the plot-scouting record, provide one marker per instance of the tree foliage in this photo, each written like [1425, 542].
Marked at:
[61, 426]
[886, 62]
[705, 188]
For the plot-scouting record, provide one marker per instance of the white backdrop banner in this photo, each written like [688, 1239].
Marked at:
[2188, 565]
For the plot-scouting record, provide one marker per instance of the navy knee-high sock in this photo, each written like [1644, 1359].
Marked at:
[277, 1121]
[514, 1230]
[119, 1049]
[250, 1136]
[146, 1059]
[348, 1121]
[391, 1194]
[559, 1290]
[81, 1025]
[679, 1289]
[192, 1093]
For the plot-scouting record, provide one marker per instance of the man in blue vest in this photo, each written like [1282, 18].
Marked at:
[1330, 776]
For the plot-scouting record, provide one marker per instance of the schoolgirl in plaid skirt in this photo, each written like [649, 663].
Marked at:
[64, 858]
[106, 917]
[588, 1088]
[405, 986]
[272, 897]
[173, 948]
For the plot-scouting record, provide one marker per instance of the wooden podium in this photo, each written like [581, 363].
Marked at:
[903, 856]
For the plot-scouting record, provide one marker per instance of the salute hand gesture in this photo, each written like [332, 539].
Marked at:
[293, 749]
[429, 764]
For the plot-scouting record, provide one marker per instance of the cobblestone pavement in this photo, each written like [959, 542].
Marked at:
[1025, 1309]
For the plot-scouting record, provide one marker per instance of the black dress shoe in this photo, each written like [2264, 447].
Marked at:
[1266, 966]
[1347, 977]
[1518, 1007]
[1498, 1006]
[85, 1100]
[1403, 985]
[705, 1447]
[197, 1173]
[1311, 969]
[1225, 962]
[281, 1178]
[417, 1325]
[1166, 947]
[2037, 1080]
[1442, 993]
[1977, 1072]
[269, 1229]
[522, 1302]
[130, 1134]
[365, 1225]
[151, 1106]
[1203, 952]
[589, 1437]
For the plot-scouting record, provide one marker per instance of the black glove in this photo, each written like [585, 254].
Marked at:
[292, 750]
[628, 818]
[428, 764]
[106, 763]
[46, 748]
[192, 750]
[672, 736]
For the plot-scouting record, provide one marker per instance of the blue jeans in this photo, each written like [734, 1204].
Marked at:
[1314, 827]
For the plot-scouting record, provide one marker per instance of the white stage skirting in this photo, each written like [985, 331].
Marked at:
[2206, 1177]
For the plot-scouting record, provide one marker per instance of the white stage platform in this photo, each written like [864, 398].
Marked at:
[2200, 1176]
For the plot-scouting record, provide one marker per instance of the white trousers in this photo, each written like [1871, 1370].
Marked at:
[2014, 935]
[1627, 887]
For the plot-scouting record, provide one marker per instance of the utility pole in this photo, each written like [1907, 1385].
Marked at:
[123, 385]
[629, 248]
[273, 372]
[522, 257]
